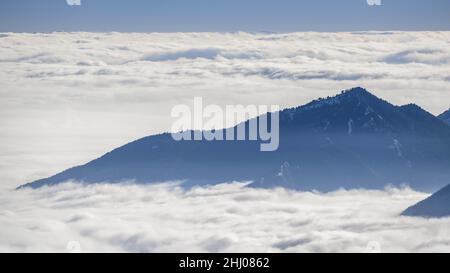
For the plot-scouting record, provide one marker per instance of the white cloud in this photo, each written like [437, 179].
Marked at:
[424, 56]
[198, 53]
[222, 218]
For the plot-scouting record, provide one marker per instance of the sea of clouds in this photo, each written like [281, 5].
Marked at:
[67, 98]
[223, 218]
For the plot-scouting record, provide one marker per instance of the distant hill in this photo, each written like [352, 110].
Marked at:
[352, 140]
[436, 206]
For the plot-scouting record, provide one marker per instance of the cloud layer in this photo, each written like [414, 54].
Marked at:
[69, 97]
[223, 218]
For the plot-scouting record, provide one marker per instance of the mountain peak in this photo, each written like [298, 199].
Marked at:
[412, 107]
[354, 94]
[436, 206]
[356, 97]
[356, 91]
[356, 110]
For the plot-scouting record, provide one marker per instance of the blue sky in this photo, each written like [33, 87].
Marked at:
[223, 15]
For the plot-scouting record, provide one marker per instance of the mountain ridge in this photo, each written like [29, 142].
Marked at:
[351, 140]
[435, 206]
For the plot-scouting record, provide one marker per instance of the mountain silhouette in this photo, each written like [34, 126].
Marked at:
[352, 140]
[436, 206]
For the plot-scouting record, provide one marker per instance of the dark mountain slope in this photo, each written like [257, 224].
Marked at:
[353, 140]
[445, 117]
[436, 206]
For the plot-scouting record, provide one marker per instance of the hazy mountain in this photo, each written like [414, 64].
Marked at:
[445, 117]
[437, 205]
[352, 140]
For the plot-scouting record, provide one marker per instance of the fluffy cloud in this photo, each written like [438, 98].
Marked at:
[222, 218]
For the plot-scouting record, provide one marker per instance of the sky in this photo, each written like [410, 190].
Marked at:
[222, 15]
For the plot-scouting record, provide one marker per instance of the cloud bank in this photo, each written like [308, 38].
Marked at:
[222, 218]
[70, 97]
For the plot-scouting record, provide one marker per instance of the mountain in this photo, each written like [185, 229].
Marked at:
[436, 206]
[445, 117]
[352, 140]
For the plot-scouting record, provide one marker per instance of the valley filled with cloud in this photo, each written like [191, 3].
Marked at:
[70, 97]
[67, 98]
